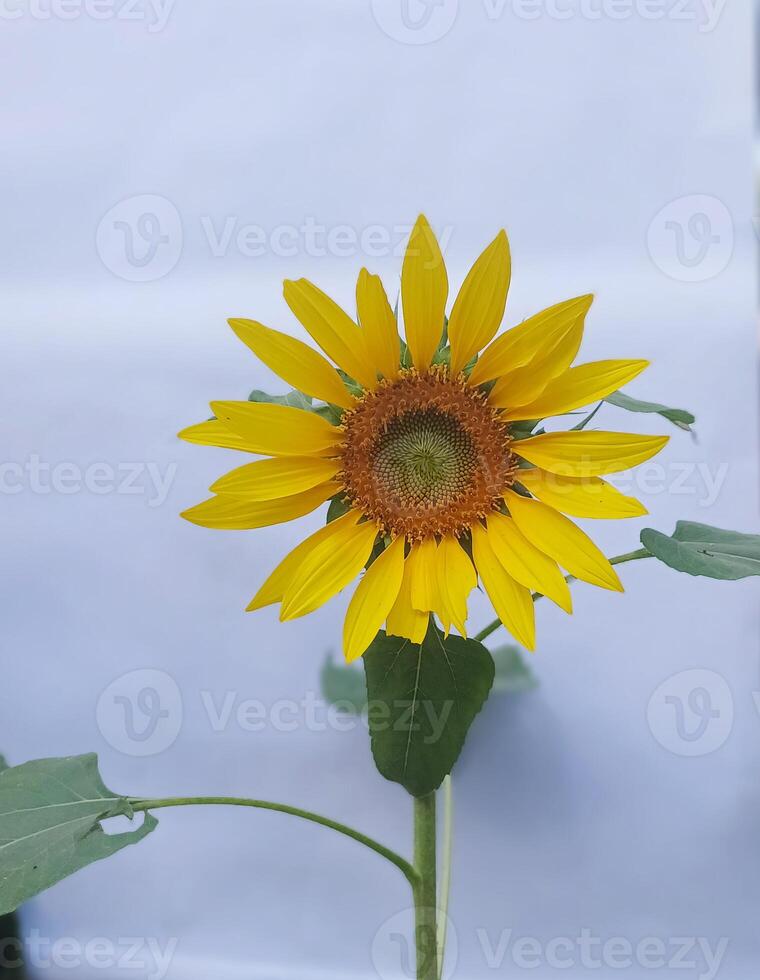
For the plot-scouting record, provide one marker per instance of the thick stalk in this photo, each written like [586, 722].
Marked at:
[425, 898]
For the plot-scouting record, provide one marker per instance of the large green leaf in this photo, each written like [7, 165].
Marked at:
[422, 699]
[343, 685]
[50, 813]
[678, 416]
[703, 550]
[11, 962]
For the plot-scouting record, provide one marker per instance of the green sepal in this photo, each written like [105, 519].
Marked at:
[421, 701]
[442, 356]
[699, 549]
[337, 508]
[351, 383]
[50, 824]
[587, 418]
[523, 430]
[406, 357]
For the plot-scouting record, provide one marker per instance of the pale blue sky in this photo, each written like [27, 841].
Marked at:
[286, 139]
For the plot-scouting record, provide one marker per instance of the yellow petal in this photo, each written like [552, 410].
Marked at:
[331, 328]
[404, 619]
[586, 453]
[373, 600]
[267, 479]
[587, 496]
[522, 343]
[278, 430]
[274, 588]
[241, 513]
[559, 538]
[479, 307]
[214, 433]
[424, 289]
[379, 325]
[525, 563]
[526, 383]
[422, 569]
[577, 387]
[330, 566]
[456, 578]
[513, 602]
[295, 362]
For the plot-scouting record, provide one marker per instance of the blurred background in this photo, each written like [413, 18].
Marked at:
[165, 165]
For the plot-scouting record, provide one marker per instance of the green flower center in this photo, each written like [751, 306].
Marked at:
[425, 458]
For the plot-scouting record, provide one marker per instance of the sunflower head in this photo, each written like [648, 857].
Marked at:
[430, 448]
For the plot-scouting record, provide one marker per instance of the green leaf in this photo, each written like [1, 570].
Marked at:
[422, 699]
[678, 416]
[699, 549]
[513, 675]
[343, 686]
[50, 813]
[293, 399]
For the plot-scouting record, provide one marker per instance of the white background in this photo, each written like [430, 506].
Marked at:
[573, 125]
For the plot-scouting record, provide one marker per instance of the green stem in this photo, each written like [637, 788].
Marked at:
[425, 915]
[445, 885]
[403, 865]
[631, 556]
[617, 560]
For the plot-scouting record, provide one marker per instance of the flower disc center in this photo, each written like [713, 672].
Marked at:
[425, 455]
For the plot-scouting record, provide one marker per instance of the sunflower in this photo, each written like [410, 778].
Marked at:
[427, 451]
